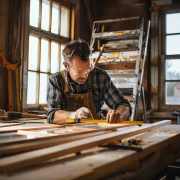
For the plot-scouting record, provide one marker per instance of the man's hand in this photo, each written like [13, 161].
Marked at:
[115, 116]
[81, 113]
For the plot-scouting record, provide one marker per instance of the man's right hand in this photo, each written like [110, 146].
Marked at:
[81, 113]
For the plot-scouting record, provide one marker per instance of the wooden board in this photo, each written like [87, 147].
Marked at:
[76, 133]
[21, 136]
[35, 157]
[64, 135]
[101, 126]
[31, 126]
[9, 124]
[27, 145]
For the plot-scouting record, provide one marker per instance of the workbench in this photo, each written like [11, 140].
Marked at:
[81, 152]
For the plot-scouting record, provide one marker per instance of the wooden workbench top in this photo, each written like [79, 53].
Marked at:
[160, 147]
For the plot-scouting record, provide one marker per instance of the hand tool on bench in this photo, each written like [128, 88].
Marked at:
[2, 112]
[131, 144]
[14, 115]
[99, 121]
[177, 115]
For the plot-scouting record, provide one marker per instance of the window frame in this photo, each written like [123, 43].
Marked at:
[162, 65]
[47, 35]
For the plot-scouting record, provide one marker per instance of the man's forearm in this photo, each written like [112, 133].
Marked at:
[124, 110]
[60, 116]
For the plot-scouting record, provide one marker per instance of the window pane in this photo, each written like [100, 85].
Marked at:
[43, 88]
[55, 18]
[45, 15]
[172, 44]
[31, 89]
[173, 93]
[34, 12]
[65, 14]
[173, 23]
[54, 57]
[44, 55]
[33, 53]
[173, 69]
[62, 59]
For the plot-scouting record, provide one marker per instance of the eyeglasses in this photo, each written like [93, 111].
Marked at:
[78, 73]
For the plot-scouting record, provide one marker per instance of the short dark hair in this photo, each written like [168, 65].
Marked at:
[77, 48]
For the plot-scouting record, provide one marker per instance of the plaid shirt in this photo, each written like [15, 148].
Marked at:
[103, 90]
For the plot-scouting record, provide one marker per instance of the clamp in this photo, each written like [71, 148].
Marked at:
[10, 67]
[132, 144]
[177, 115]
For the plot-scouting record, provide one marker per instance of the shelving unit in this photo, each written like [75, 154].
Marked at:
[122, 54]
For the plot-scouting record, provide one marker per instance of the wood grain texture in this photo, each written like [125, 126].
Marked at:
[31, 126]
[35, 157]
[32, 144]
[63, 135]
[9, 124]
[124, 164]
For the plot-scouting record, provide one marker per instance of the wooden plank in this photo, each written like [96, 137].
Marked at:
[21, 136]
[9, 124]
[32, 126]
[160, 147]
[31, 144]
[34, 157]
[118, 66]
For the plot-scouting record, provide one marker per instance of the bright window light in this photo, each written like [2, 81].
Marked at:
[34, 13]
[44, 55]
[45, 15]
[33, 53]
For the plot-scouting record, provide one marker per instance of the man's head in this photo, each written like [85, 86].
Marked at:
[77, 60]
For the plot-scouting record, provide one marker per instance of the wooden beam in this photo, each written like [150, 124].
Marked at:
[121, 2]
[27, 159]
[90, 17]
[165, 7]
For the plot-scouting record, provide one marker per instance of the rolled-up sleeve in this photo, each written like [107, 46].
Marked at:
[55, 96]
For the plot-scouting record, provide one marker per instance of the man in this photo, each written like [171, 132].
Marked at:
[81, 89]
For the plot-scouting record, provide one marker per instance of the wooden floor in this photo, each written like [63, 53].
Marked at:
[42, 151]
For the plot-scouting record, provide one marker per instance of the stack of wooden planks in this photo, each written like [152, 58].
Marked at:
[76, 151]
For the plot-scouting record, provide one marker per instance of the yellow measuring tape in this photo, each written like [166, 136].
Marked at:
[101, 121]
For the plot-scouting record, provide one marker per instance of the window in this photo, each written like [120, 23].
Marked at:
[172, 59]
[49, 30]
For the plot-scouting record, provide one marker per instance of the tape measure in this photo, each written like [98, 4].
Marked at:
[99, 121]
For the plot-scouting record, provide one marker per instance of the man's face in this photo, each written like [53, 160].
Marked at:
[79, 70]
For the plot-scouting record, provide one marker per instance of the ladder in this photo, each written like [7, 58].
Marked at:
[122, 53]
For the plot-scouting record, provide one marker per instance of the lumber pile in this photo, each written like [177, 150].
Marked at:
[78, 151]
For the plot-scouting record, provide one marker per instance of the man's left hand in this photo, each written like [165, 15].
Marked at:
[115, 116]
